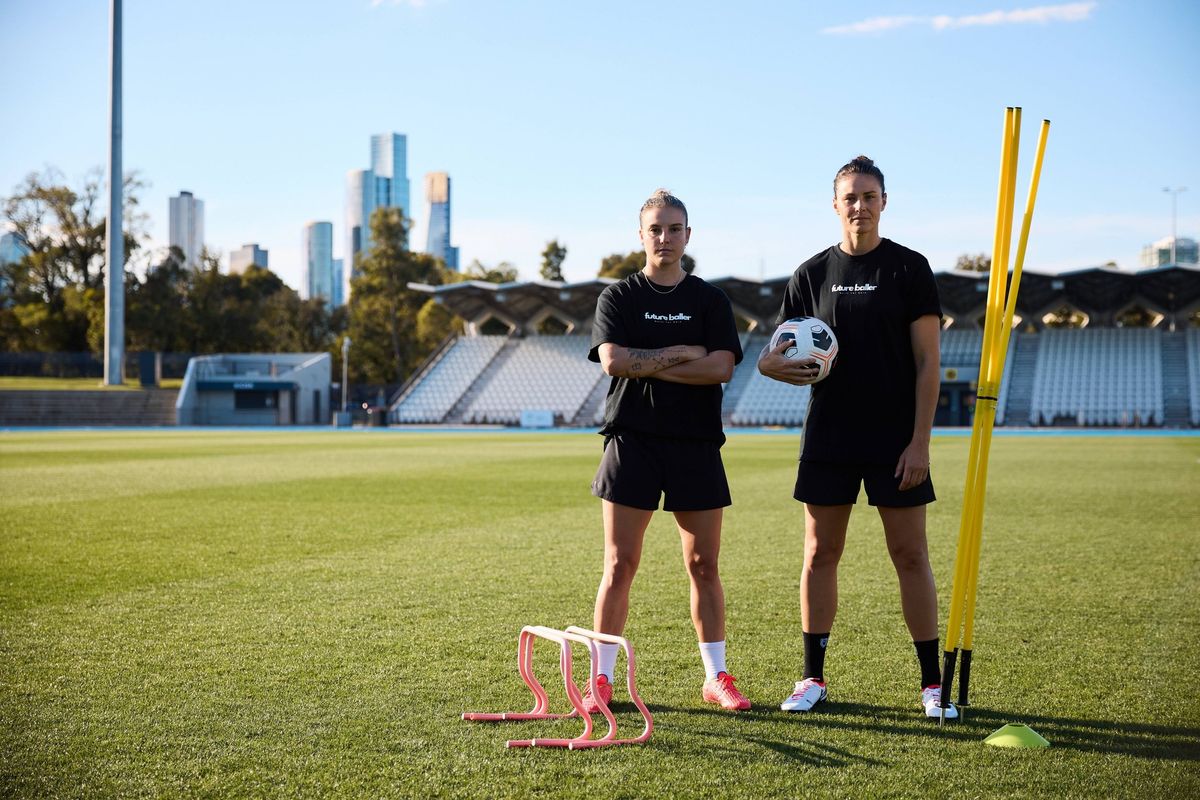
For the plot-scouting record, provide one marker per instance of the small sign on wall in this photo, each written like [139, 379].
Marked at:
[537, 418]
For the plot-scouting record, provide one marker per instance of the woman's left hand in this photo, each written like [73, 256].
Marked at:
[913, 467]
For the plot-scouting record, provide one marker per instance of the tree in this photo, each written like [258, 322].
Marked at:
[552, 259]
[622, 266]
[503, 272]
[974, 263]
[54, 296]
[383, 323]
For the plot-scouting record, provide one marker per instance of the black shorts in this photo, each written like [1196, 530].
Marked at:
[636, 470]
[825, 484]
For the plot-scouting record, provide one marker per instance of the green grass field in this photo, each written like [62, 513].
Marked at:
[31, 383]
[306, 614]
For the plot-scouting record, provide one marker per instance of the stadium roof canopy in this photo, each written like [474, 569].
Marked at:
[1170, 293]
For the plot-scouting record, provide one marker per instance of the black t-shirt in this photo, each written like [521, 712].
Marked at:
[632, 313]
[864, 411]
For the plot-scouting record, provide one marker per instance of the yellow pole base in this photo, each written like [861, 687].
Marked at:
[1016, 735]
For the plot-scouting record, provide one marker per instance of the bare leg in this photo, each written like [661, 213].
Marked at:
[824, 541]
[905, 532]
[624, 528]
[700, 535]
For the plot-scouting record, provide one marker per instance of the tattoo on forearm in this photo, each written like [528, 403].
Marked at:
[657, 358]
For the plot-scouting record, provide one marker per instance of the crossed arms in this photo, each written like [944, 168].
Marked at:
[681, 363]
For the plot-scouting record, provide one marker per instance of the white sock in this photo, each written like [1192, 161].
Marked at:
[607, 659]
[713, 654]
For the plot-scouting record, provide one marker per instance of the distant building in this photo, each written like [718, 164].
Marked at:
[244, 257]
[187, 227]
[12, 249]
[319, 278]
[339, 288]
[437, 241]
[1159, 253]
[384, 185]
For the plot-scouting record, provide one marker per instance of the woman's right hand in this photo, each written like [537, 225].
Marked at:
[774, 364]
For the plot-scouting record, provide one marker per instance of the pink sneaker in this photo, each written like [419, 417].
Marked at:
[720, 690]
[603, 688]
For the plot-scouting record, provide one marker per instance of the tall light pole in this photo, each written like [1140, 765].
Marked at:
[345, 369]
[114, 247]
[1174, 198]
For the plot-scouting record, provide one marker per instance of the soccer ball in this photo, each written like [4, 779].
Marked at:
[812, 342]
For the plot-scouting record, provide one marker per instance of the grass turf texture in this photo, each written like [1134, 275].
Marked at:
[307, 613]
[33, 383]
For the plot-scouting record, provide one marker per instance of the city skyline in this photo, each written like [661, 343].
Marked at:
[551, 134]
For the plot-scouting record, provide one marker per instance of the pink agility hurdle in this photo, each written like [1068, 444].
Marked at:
[541, 702]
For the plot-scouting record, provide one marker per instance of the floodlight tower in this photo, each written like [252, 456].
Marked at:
[345, 370]
[1174, 198]
[114, 247]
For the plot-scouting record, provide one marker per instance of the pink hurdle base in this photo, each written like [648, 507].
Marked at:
[541, 703]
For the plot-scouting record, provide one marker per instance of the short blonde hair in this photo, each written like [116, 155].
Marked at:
[662, 198]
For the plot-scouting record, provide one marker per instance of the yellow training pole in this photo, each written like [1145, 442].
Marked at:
[972, 491]
[957, 595]
[1002, 344]
[1001, 309]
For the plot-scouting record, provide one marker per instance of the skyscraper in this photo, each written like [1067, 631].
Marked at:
[385, 184]
[11, 249]
[318, 261]
[339, 286]
[187, 227]
[247, 255]
[437, 242]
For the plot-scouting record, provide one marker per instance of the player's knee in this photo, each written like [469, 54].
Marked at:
[620, 568]
[702, 568]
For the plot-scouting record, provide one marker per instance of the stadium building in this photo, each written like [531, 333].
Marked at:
[1090, 347]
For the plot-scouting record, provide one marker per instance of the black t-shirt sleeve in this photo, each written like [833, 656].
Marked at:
[794, 304]
[608, 325]
[922, 291]
[721, 331]
[798, 299]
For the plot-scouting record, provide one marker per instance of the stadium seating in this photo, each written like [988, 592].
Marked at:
[961, 347]
[1089, 377]
[550, 373]
[1098, 377]
[1193, 363]
[432, 398]
[768, 402]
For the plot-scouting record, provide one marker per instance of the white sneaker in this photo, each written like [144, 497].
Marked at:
[808, 693]
[931, 698]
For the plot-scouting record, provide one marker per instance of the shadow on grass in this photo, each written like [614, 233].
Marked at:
[1136, 739]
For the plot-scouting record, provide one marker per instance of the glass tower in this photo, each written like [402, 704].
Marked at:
[385, 184]
[318, 261]
[187, 227]
[437, 242]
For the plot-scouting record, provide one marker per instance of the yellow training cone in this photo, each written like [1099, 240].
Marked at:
[1016, 735]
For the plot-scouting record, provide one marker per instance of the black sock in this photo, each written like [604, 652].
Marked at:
[814, 655]
[927, 656]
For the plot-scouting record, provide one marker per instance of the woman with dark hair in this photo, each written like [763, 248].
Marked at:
[869, 421]
[669, 341]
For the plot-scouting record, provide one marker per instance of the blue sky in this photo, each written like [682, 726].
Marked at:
[557, 119]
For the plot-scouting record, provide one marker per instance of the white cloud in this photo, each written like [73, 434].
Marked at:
[1066, 12]
[1070, 12]
[409, 3]
[873, 25]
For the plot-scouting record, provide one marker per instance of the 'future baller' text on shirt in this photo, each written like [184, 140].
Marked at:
[858, 287]
[668, 317]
